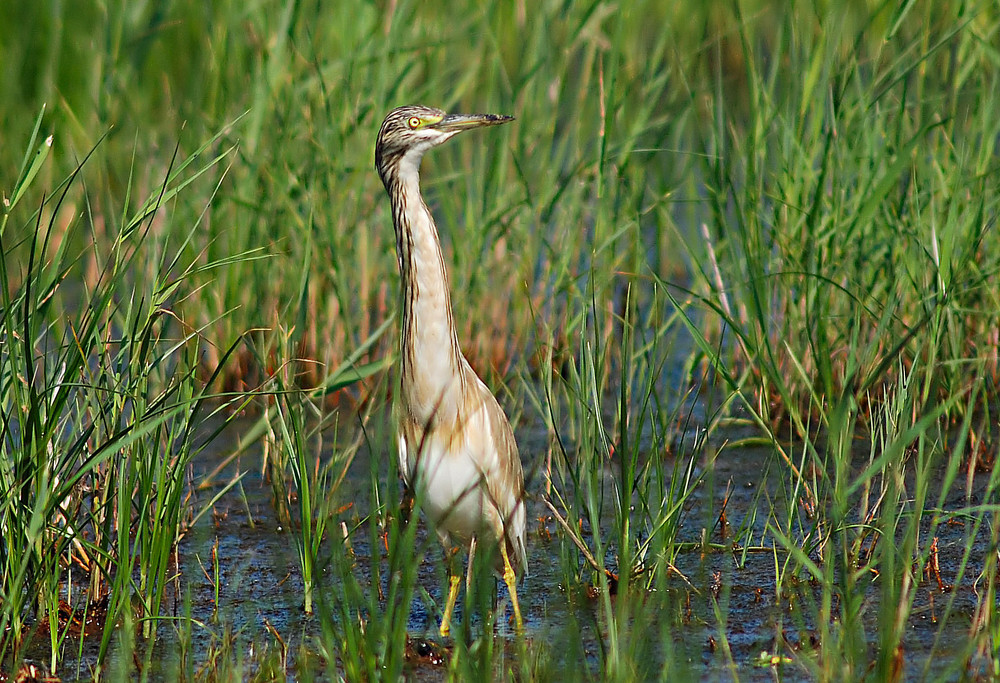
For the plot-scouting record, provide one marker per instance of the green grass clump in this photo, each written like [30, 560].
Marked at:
[851, 220]
[847, 259]
[101, 411]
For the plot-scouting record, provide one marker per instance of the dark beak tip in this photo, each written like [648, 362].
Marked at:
[495, 119]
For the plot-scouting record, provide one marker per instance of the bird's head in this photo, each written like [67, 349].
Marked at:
[408, 132]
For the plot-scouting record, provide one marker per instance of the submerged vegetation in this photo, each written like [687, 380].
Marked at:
[734, 272]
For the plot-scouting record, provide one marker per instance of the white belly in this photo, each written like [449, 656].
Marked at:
[451, 492]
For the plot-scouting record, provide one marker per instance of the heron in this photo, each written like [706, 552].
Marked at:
[456, 447]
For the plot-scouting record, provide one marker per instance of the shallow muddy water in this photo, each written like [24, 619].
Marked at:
[260, 586]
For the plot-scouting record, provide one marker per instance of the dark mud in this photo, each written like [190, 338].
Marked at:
[242, 550]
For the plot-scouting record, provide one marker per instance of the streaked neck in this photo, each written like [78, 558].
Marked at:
[430, 357]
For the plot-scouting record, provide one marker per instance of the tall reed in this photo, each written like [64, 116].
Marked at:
[101, 410]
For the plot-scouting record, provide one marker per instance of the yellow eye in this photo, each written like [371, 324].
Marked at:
[413, 121]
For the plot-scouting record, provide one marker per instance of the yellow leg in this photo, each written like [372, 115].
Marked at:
[510, 578]
[445, 629]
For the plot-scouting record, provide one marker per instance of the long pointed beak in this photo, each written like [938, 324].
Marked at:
[460, 122]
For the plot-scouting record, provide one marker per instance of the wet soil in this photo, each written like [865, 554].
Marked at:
[260, 587]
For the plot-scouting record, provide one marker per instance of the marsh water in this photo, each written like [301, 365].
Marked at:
[243, 550]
